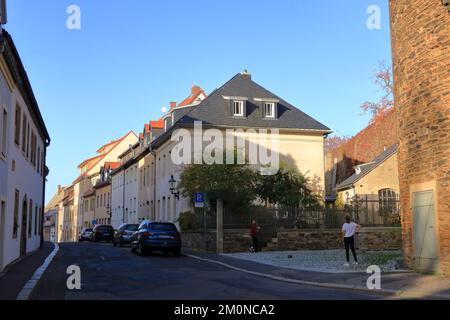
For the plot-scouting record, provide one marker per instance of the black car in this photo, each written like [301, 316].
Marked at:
[123, 235]
[102, 232]
[156, 236]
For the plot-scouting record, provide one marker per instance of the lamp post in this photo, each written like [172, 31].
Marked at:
[173, 189]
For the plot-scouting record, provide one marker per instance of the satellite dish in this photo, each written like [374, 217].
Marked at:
[164, 109]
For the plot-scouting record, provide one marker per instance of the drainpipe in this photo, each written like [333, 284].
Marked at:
[154, 182]
[44, 179]
[123, 196]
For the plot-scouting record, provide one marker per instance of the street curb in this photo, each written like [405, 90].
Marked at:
[27, 289]
[396, 293]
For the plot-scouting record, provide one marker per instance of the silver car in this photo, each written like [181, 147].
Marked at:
[85, 234]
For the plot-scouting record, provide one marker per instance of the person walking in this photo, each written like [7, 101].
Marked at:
[254, 229]
[349, 229]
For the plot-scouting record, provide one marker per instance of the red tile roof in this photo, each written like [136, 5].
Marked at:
[112, 165]
[89, 160]
[100, 157]
[196, 91]
[157, 124]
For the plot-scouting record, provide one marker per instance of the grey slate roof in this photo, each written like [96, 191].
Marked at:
[367, 167]
[214, 110]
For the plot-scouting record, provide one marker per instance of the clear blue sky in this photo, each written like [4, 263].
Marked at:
[130, 58]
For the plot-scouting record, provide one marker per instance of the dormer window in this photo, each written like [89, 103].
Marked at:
[238, 108]
[269, 110]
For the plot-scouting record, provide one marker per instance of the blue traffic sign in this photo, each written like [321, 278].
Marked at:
[199, 199]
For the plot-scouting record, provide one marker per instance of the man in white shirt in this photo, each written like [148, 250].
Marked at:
[348, 234]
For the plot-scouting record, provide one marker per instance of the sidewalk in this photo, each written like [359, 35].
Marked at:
[17, 275]
[395, 285]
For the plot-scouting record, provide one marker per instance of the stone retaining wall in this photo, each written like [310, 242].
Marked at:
[234, 240]
[369, 239]
[238, 240]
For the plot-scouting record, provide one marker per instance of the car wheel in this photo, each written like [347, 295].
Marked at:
[133, 249]
[140, 250]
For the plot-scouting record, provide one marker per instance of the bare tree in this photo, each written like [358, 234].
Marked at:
[384, 81]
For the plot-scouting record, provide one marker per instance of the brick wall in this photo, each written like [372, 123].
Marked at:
[420, 31]
[363, 147]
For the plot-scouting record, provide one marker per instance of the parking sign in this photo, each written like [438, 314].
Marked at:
[199, 200]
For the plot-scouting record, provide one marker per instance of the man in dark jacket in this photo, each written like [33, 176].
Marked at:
[254, 234]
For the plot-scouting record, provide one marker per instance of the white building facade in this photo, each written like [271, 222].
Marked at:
[23, 142]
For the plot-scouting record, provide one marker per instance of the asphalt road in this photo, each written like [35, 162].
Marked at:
[109, 272]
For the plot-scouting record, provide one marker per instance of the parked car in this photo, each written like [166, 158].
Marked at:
[85, 234]
[124, 234]
[156, 236]
[102, 232]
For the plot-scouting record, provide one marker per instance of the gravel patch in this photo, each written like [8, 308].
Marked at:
[331, 261]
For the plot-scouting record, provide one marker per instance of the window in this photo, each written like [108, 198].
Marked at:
[35, 220]
[38, 166]
[33, 148]
[388, 201]
[92, 204]
[238, 108]
[4, 132]
[86, 206]
[24, 133]
[28, 140]
[269, 110]
[16, 214]
[17, 125]
[101, 200]
[30, 219]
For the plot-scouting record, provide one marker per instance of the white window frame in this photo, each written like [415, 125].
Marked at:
[241, 106]
[270, 105]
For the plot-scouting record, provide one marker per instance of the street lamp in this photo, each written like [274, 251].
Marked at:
[173, 188]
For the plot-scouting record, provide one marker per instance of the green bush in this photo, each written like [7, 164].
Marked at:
[186, 220]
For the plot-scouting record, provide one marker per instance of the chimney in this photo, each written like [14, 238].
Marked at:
[194, 89]
[246, 74]
[173, 105]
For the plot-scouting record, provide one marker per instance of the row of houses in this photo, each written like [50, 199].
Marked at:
[23, 146]
[129, 179]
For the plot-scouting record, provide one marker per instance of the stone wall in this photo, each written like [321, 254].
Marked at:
[420, 31]
[374, 239]
[238, 240]
[234, 240]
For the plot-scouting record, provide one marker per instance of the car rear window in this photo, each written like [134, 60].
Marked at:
[162, 227]
[132, 227]
[87, 230]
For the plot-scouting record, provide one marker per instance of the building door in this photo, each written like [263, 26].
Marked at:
[2, 231]
[23, 231]
[425, 244]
